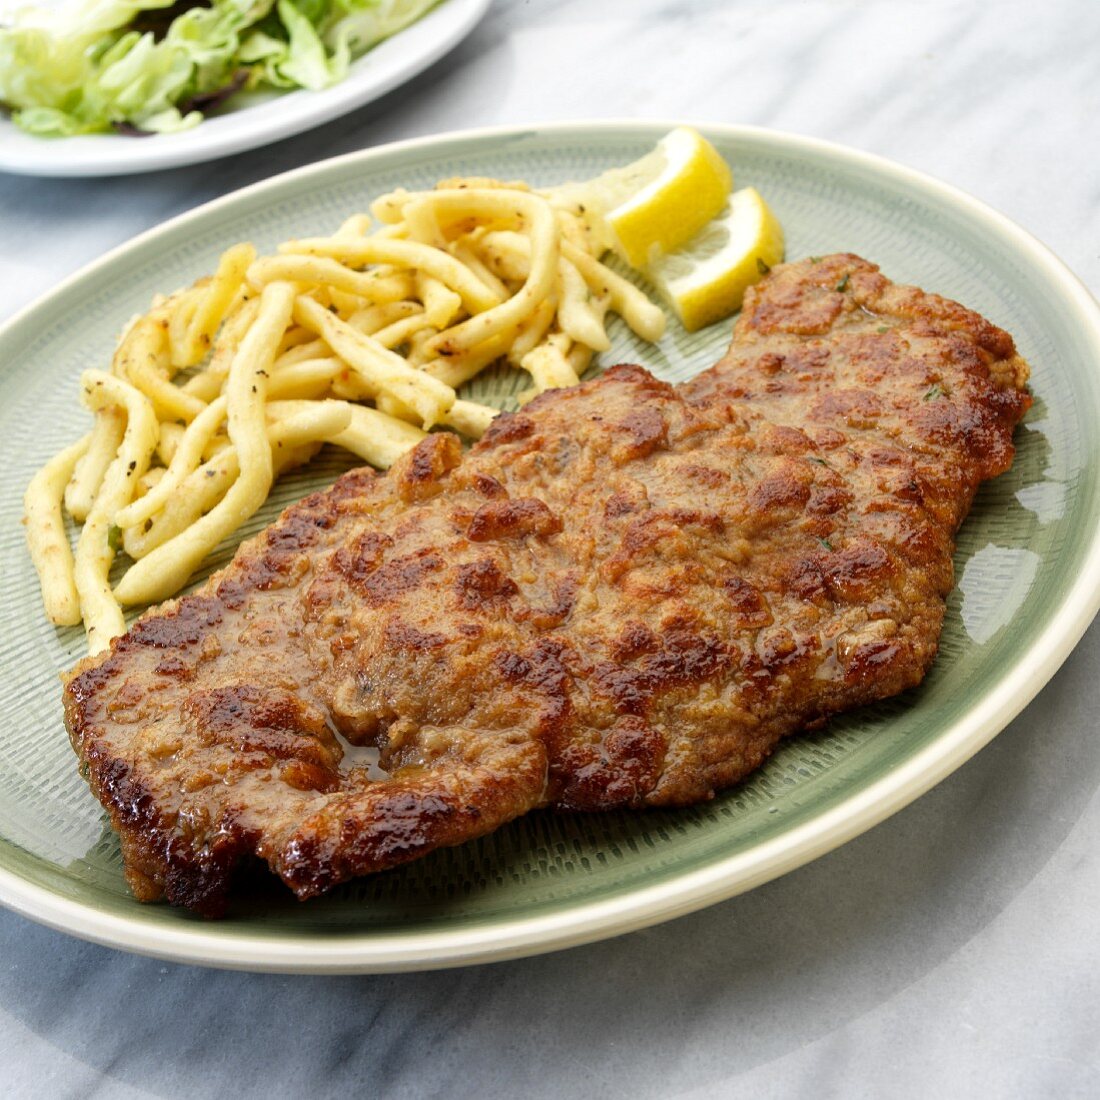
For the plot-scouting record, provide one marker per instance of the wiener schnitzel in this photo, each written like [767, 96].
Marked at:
[624, 596]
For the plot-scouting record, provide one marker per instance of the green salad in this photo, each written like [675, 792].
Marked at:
[153, 66]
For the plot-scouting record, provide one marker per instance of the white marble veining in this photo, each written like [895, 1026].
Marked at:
[952, 951]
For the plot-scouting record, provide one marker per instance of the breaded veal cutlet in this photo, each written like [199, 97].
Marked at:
[624, 596]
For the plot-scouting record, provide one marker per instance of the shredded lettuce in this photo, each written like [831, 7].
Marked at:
[361, 24]
[303, 61]
[90, 66]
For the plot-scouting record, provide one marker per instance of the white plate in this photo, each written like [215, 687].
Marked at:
[1028, 568]
[268, 118]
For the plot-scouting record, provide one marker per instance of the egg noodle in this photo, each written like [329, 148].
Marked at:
[359, 339]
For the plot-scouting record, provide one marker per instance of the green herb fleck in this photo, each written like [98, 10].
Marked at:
[114, 538]
[842, 286]
[762, 267]
[815, 259]
[935, 392]
[884, 328]
[819, 461]
[826, 543]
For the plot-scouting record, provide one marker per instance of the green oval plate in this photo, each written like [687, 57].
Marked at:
[1028, 569]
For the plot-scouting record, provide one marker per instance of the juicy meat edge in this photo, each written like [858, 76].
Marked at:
[624, 596]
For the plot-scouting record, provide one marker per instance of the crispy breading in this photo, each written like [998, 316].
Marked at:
[624, 596]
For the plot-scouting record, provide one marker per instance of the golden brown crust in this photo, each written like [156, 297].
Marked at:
[624, 596]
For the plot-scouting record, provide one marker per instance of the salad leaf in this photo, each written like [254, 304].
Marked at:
[139, 66]
[57, 90]
[306, 62]
[206, 101]
[357, 25]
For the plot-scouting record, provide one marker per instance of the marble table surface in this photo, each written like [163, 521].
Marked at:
[952, 951]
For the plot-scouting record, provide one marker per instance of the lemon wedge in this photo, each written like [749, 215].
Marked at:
[657, 203]
[707, 278]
